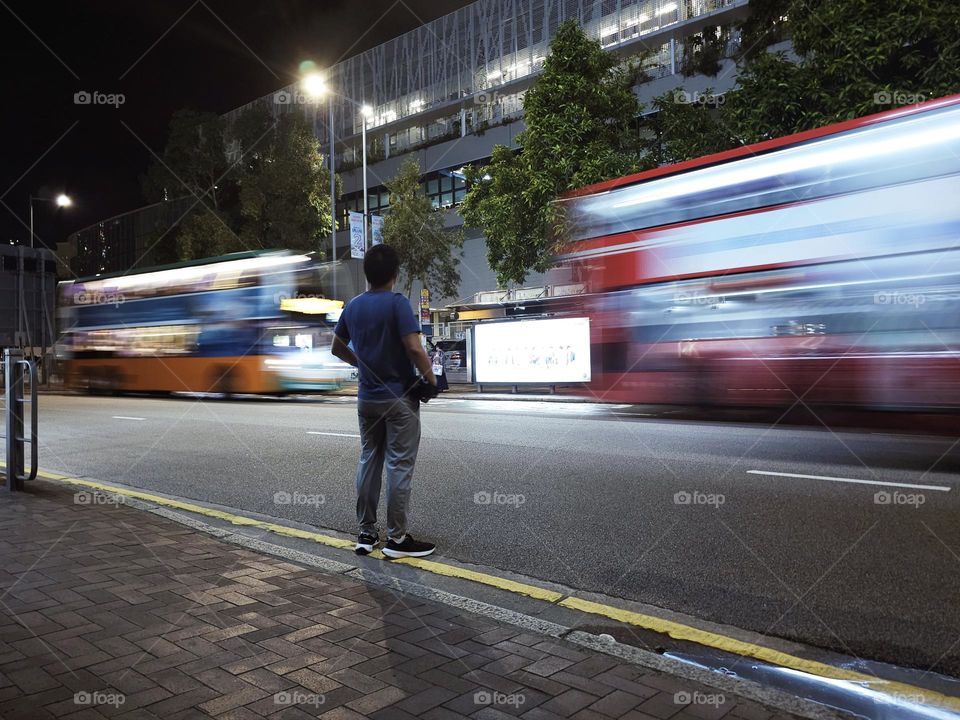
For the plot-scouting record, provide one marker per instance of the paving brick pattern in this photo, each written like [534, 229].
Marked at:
[111, 612]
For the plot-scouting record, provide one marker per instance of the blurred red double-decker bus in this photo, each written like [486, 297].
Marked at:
[818, 268]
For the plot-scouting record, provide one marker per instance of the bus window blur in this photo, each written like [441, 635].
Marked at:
[244, 323]
[825, 271]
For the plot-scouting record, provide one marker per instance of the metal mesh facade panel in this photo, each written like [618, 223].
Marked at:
[476, 51]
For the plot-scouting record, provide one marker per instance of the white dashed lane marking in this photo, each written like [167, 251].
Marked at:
[940, 488]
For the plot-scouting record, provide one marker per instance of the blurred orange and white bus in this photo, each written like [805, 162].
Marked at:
[253, 322]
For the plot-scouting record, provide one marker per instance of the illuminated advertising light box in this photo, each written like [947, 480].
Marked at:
[545, 352]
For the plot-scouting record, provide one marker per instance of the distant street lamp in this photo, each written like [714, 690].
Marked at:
[61, 200]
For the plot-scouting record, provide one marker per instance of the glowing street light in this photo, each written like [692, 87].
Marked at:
[61, 200]
[314, 85]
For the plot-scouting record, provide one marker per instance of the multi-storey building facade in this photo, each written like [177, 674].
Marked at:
[133, 240]
[453, 88]
[450, 90]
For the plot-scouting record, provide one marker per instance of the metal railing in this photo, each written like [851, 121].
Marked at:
[17, 371]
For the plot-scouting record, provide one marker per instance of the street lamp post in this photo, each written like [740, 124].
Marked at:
[365, 113]
[315, 86]
[364, 110]
[61, 200]
[333, 192]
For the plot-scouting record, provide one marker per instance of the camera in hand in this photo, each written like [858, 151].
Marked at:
[423, 390]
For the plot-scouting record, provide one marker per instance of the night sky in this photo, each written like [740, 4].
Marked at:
[210, 55]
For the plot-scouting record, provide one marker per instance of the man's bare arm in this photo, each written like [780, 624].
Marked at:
[419, 358]
[340, 349]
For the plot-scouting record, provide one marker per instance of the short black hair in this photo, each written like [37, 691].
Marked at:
[381, 265]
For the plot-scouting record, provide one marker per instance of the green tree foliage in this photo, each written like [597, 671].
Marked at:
[863, 53]
[205, 233]
[498, 203]
[703, 51]
[774, 97]
[856, 57]
[193, 161]
[428, 253]
[850, 58]
[685, 125]
[580, 119]
[768, 23]
[194, 165]
[261, 183]
[284, 186]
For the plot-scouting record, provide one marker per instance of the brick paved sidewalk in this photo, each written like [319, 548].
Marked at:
[110, 611]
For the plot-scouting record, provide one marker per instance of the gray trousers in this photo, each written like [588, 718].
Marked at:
[389, 432]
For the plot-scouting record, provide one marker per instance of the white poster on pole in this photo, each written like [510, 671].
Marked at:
[357, 244]
[376, 227]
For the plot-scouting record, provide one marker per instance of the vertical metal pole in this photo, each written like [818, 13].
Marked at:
[31, 369]
[363, 138]
[13, 385]
[31, 221]
[45, 339]
[21, 300]
[333, 194]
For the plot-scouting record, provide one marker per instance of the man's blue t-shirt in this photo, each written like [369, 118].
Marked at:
[375, 323]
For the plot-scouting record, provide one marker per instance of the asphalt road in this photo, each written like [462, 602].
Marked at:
[674, 513]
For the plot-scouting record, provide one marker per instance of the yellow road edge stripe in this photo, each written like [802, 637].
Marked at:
[439, 568]
[432, 566]
[679, 631]
[676, 630]
[200, 510]
[513, 586]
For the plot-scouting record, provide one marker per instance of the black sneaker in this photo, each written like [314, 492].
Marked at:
[366, 543]
[408, 548]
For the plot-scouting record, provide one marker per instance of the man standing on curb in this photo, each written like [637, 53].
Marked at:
[385, 337]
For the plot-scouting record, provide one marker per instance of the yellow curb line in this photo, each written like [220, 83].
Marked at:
[679, 631]
[675, 630]
[428, 565]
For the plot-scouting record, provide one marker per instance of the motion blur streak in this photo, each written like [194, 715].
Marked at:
[823, 267]
[252, 322]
